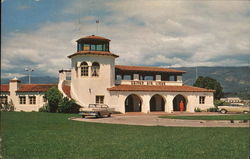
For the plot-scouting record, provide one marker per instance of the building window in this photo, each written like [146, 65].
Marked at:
[3, 99]
[84, 69]
[32, 99]
[86, 47]
[99, 99]
[44, 99]
[202, 100]
[95, 69]
[22, 100]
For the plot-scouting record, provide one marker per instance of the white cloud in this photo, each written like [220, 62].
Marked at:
[166, 33]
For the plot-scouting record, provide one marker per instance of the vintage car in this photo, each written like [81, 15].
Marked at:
[235, 109]
[97, 110]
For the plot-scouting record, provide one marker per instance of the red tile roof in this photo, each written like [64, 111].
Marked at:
[35, 87]
[4, 87]
[93, 53]
[66, 90]
[93, 37]
[146, 88]
[146, 68]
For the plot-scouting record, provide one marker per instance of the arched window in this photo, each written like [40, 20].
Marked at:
[84, 69]
[95, 69]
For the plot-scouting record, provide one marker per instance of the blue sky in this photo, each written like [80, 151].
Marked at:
[41, 33]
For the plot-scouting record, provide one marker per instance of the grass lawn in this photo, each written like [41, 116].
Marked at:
[211, 117]
[49, 136]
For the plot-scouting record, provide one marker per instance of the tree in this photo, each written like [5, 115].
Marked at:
[68, 106]
[54, 97]
[209, 83]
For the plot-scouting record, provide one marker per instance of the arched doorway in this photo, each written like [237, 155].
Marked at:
[157, 103]
[133, 103]
[179, 103]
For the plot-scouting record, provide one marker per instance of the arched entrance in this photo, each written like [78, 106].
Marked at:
[179, 103]
[133, 103]
[157, 103]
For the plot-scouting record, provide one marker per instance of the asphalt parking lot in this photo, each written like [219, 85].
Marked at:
[154, 120]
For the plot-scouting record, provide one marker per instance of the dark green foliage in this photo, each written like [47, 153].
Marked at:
[197, 109]
[53, 136]
[220, 103]
[54, 97]
[44, 108]
[213, 109]
[9, 107]
[210, 83]
[56, 103]
[68, 106]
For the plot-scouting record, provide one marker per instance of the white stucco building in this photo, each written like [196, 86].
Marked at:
[24, 97]
[94, 78]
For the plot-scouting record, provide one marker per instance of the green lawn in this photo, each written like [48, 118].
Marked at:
[48, 136]
[211, 117]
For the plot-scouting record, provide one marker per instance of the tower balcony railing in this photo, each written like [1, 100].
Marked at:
[149, 82]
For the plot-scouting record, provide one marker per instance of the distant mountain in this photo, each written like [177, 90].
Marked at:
[37, 80]
[232, 79]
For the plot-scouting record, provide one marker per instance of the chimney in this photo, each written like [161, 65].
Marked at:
[14, 84]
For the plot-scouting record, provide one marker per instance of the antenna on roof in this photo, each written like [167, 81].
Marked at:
[97, 23]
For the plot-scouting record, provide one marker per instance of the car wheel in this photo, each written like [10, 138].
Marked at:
[109, 115]
[223, 111]
[99, 115]
[246, 112]
[83, 116]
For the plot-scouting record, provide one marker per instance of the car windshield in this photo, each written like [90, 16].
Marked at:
[92, 105]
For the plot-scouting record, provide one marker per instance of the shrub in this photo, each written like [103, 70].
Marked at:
[68, 106]
[197, 109]
[219, 103]
[44, 108]
[9, 107]
[213, 109]
[54, 97]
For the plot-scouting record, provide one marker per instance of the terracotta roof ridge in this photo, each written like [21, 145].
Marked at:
[34, 84]
[127, 67]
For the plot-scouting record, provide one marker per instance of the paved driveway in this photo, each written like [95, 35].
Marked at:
[153, 120]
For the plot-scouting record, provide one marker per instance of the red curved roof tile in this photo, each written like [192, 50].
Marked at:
[93, 37]
[146, 68]
[146, 88]
[66, 90]
[35, 87]
[93, 53]
[4, 87]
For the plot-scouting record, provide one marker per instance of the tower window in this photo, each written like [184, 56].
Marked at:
[84, 69]
[95, 69]
[86, 47]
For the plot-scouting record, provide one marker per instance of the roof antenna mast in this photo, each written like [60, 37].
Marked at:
[97, 23]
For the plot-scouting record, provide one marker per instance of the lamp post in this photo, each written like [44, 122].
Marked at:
[29, 69]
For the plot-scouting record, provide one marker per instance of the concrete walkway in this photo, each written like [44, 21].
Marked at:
[153, 120]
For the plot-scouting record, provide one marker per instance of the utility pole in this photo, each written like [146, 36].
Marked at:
[29, 70]
[196, 72]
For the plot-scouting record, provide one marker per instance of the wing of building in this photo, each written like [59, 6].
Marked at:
[94, 78]
[24, 97]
